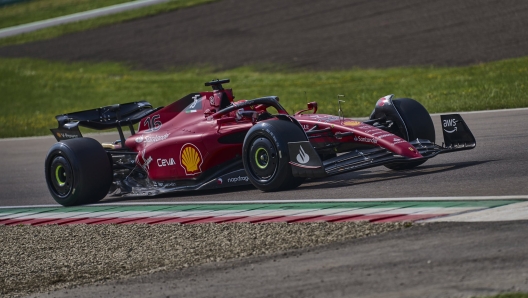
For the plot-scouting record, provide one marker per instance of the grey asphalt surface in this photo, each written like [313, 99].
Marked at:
[15, 30]
[496, 167]
[436, 260]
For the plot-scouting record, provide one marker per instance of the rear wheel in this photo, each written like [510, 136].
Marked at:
[78, 171]
[419, 126]
[61, 176]
[266, 156]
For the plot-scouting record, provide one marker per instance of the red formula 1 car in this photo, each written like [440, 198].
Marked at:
[206, 140]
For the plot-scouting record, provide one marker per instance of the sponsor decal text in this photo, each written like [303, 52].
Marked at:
[238, 179]
[365, 140]
[162, 162]
[448, 123]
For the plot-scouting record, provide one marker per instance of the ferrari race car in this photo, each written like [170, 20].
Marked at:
[207, 140]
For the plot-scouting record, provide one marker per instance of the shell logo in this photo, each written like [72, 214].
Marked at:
[191, 159]
[352, 123]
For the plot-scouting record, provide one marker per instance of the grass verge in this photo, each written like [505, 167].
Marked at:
[38, 10]
[55, 31]
[34, 91]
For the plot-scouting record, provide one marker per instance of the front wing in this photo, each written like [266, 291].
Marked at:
[306, 162]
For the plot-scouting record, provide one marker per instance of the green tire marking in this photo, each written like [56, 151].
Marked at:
[57, 175]
[257, 159]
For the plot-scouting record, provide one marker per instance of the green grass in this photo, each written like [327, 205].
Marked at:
[38, 10]
[34, 91]
[101, 21]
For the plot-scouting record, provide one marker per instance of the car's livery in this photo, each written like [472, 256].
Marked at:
[206, 140]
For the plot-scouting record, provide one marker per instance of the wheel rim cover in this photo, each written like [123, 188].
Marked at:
[61, 177]
[60, 171]
[261, 158]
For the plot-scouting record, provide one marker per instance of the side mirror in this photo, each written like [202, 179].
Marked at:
[310, 106]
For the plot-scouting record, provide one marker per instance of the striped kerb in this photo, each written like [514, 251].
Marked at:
[250, 213]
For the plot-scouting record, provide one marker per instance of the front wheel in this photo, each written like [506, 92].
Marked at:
[419, 125]
[78, 171]
[266, 156]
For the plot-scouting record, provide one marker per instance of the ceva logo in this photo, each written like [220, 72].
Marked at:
[162, 162]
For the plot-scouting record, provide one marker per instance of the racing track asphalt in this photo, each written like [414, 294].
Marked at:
[496, 167]
[332, 34]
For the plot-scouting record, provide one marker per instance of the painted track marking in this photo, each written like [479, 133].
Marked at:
[24, 28]
[254, 212]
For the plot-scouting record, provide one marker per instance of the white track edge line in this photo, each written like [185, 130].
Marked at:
[406, 199]
[481, 111]
[66, 18]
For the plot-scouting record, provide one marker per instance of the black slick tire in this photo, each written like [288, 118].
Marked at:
[266, 157]
[419, 126]
[78, 171]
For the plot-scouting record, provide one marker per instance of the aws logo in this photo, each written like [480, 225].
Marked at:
[191, 159]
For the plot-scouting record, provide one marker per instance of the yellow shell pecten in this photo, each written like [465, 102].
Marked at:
[190, 159]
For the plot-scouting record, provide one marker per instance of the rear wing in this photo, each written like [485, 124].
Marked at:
[114, 116]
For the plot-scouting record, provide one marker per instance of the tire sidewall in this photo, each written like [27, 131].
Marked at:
[279, 133]
[61, 149]
[416, 118]
[419, 125]
[90, 167]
